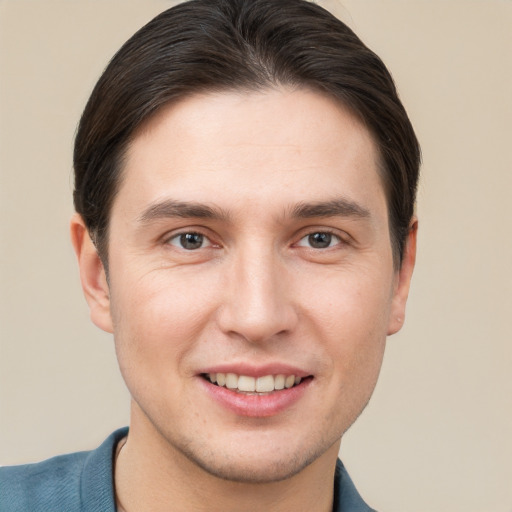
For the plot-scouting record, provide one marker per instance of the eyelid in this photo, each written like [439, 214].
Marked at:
[333, 235]
[175, 234]
[206, 241]
[342, 237]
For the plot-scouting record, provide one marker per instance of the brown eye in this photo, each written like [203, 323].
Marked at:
[319, 240]
[189, 241]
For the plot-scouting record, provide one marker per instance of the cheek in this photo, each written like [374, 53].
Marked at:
[347, 317]
[158, 320]
[350, 311]
[349, 300]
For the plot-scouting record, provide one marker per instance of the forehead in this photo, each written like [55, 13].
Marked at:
[239, 147]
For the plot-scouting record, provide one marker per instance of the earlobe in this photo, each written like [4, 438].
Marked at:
[92, 275]
[404, 276]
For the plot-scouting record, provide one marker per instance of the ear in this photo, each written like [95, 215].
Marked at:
[403, 280]
[92, 274]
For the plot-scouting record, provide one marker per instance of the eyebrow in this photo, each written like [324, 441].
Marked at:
[340, 207]
[171, 208]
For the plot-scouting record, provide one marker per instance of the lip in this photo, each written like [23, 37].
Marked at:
[257, 371]
[256, 406]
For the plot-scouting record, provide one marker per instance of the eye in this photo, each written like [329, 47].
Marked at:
[319, 240]
[190, 241]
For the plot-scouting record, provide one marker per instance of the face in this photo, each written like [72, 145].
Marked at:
[251, 283]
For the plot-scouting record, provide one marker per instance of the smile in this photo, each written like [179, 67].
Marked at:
[253, 385]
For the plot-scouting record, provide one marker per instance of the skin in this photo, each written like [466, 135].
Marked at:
[255, 292]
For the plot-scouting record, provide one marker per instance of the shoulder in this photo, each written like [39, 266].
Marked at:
[79, 481]
[346, 496]
[44, 485]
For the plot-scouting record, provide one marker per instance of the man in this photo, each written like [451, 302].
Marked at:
[245, 179]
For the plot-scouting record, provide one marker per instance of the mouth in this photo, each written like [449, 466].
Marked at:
[257, 393]
[248, 385]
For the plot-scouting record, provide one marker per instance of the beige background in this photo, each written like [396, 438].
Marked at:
[437, 435]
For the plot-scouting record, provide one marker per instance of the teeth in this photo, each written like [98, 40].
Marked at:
[265, 384]
[246, 384]
[279, 382]
[231, 381]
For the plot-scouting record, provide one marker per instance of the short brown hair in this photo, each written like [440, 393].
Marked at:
[207, 45]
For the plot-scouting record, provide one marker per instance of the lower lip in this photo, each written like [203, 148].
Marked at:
[256, 406]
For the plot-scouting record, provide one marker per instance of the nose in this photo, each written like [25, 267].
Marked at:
[258, 298]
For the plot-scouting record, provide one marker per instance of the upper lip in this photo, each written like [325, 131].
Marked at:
[252, 370]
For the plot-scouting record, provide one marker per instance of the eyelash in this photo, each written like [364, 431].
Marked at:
[179, 238]
[330, 234]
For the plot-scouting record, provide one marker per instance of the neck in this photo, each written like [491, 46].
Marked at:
[150, 474]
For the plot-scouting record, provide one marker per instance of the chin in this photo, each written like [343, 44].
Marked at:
[257, 464]
[260, 471]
